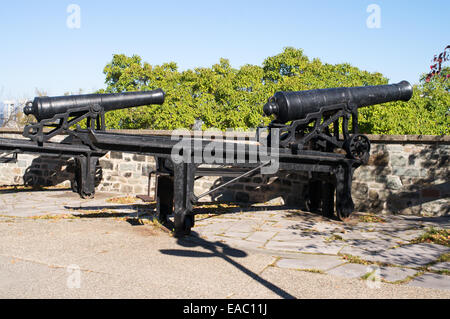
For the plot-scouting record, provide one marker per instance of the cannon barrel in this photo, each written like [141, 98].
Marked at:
[47, 107]
[290, 106]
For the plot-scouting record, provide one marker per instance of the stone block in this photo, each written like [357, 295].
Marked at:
[350, 271]
[116, 155]
[316, 262]
[399, 160]
[360, 190]
[138, 158]
[394, 182]
[441, 266]
[127, 167]
[379, 159]
[107, 165]
[416, 255]
[394, 148]
[127, 189]
[373, 195]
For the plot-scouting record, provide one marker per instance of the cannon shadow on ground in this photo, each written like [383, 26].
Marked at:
[215, 249]
[105, 211]
[225, 252]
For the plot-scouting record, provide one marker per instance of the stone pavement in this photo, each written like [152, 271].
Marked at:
[365, 251]
[354, 249]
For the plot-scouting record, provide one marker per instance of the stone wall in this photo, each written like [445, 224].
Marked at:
[405, 174]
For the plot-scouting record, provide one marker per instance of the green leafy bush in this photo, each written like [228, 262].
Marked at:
[224, 97]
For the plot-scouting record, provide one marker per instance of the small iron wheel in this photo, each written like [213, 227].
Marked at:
[358, 147]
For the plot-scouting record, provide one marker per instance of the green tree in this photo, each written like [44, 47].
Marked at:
[224, 97]
[426, 113]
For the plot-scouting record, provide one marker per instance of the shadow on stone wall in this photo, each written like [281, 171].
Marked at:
[408, 180]
[407, 184]
[425, 189]
[286, 189]
[412, 202]
[49, 171]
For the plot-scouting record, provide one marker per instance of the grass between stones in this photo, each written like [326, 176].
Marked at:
[334, 237]
[212, 210]
[54, 217]
[315, 271]
[435, 236]
[356, 260]
[19, 188]
[123, 200]
[406, 280]
[371, 218]
[444, 258]
[370, 275]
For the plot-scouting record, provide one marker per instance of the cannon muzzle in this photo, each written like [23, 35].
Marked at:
[290, 106]
[47, 107]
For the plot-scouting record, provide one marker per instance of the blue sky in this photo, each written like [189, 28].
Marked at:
[39, 51]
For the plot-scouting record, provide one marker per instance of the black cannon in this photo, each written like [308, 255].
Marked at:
[47, 107]
[64, 114]
[317, 122]
[290, 106]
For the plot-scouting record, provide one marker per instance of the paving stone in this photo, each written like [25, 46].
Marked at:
[287, 224]
[281, 245]
[408, 235]
[350, 270]
[411, 255]
[306, 246]
[393, 274]
[316, 262]
[212, 238]
[261, 236]
[255, 215]
[243, 244]
[395, 227]
[429, 280]
[314, 246]
[217, 228]
[372, 245]
[350, 250]
[295, 236]
[350, 235]
[441, 221]
[234, 234]
[324, 227]
[244, 226]
[442, 266]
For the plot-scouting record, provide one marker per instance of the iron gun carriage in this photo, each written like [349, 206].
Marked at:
[311, 132]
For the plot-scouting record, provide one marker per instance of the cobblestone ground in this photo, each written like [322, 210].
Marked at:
[376, 249]
[363, 247]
